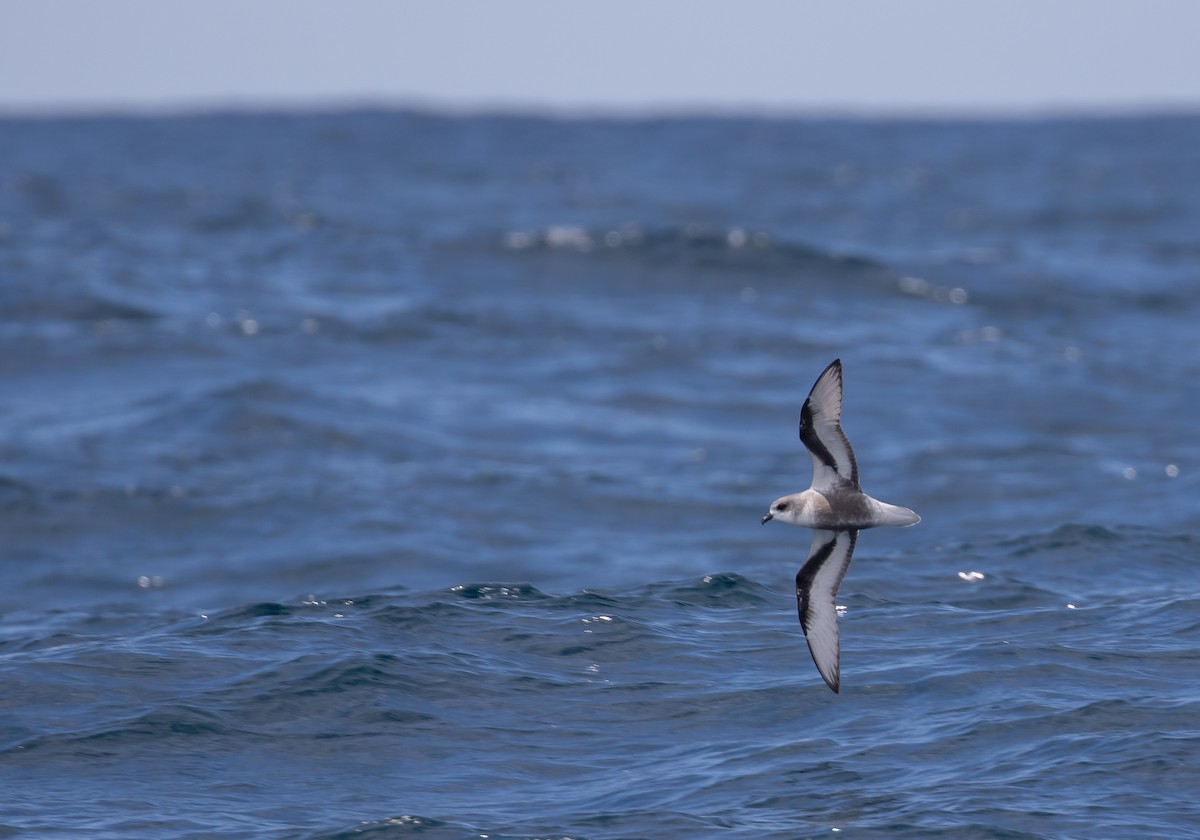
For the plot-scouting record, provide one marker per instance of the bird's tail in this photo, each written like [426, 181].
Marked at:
[896, 515]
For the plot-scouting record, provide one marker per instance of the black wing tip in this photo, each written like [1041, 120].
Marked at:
[835, 366]
[834, 679]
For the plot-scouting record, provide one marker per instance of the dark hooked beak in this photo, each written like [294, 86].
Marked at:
[768, 518]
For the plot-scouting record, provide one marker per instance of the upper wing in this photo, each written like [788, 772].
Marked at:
[817, 584]
[821, 431]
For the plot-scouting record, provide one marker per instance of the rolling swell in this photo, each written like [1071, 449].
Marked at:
[425, 676]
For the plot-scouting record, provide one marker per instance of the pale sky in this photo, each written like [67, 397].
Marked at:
[802, 56]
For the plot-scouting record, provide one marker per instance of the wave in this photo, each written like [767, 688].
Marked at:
[692, 257]
[28, 305]
[525, 681]
[670, 243]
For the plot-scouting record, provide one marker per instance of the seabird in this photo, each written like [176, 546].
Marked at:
[836, 510]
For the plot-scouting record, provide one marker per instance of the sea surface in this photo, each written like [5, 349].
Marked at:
[395, 474]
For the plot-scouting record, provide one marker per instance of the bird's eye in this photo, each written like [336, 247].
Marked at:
[782, 507]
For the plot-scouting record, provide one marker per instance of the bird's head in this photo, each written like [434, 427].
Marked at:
[786, 510]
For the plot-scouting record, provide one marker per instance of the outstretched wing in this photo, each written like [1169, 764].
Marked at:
[817, 584]
[821, 431]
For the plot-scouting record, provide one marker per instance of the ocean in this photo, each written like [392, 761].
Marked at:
[392, 473]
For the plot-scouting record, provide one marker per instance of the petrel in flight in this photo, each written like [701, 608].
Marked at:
[836, 510]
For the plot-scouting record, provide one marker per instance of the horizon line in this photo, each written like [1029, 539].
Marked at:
[233, 105]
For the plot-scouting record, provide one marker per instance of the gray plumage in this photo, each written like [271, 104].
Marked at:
[835, 507]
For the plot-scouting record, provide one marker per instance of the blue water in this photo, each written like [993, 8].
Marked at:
[392, 474]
